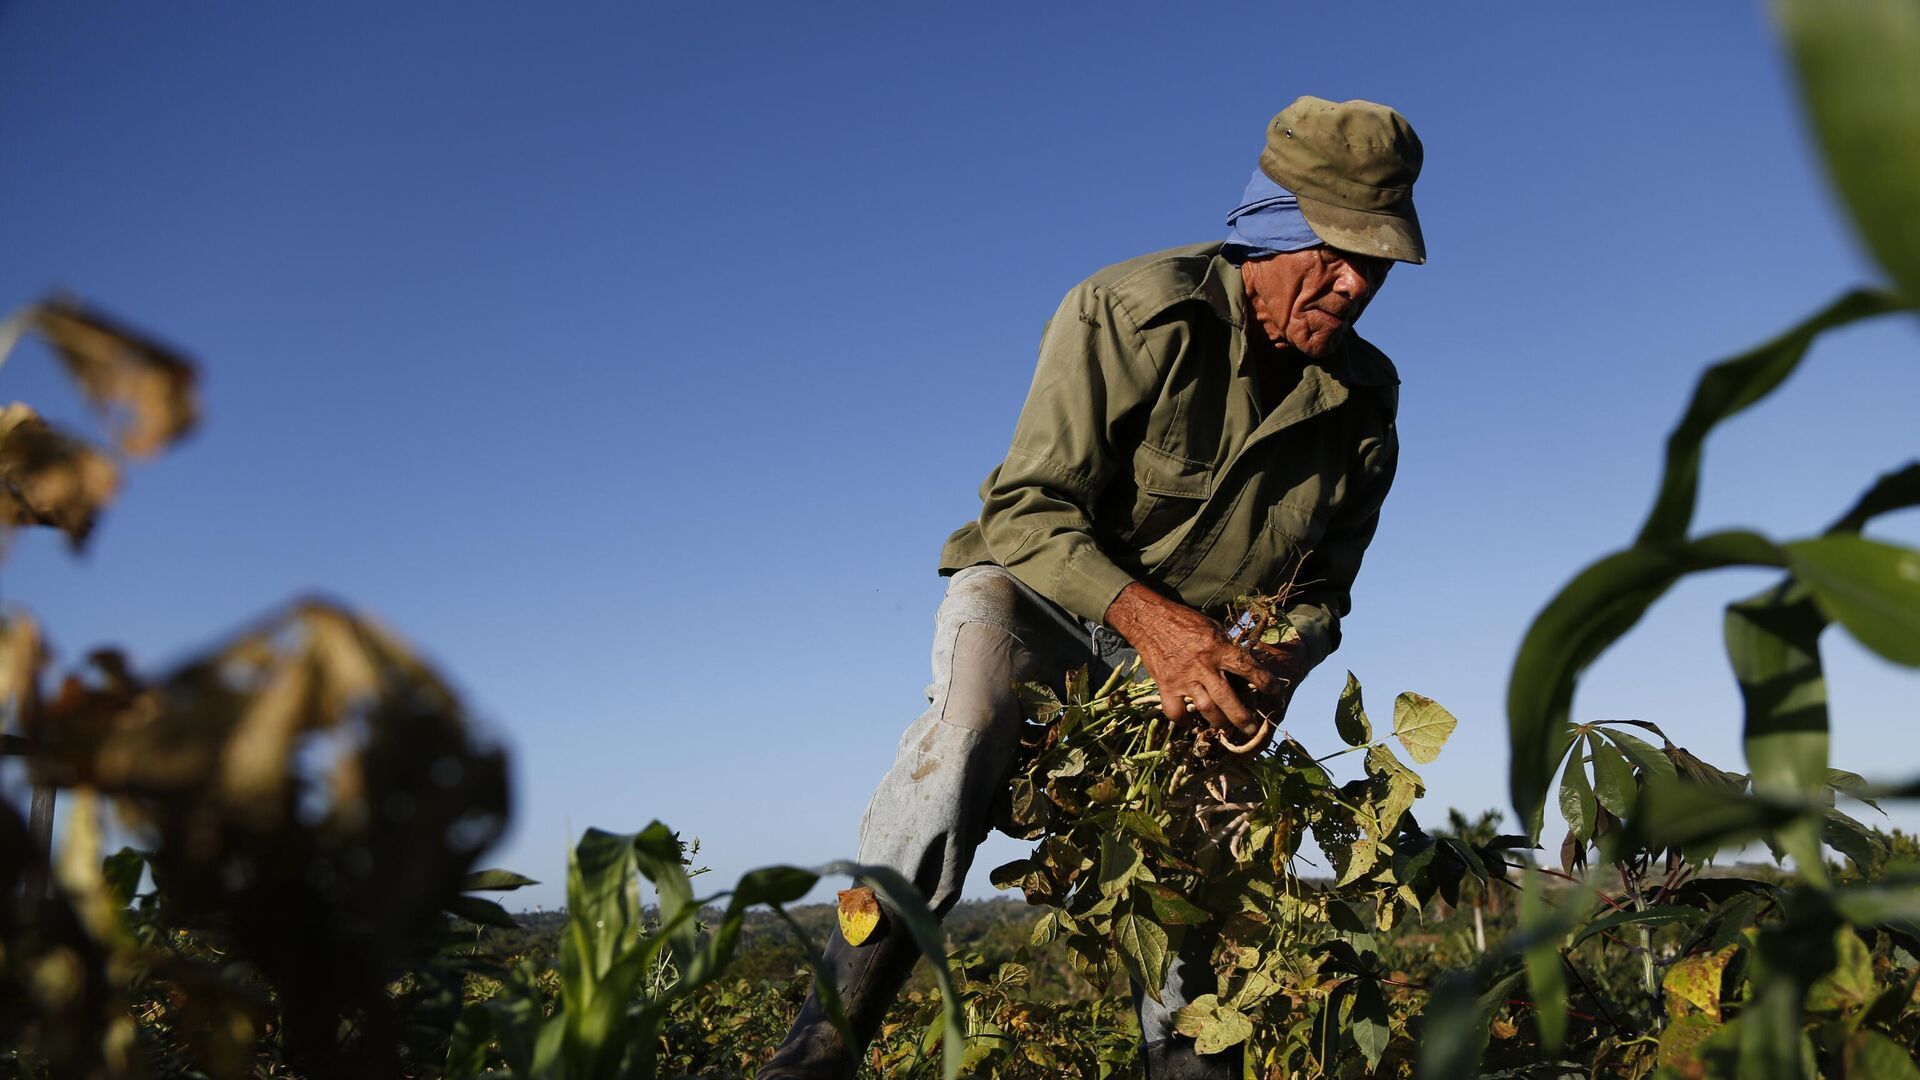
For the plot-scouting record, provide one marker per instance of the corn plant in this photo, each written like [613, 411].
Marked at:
[1857, 60]
[620, 973]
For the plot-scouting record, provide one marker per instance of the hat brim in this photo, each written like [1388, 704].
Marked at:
[1389, 235]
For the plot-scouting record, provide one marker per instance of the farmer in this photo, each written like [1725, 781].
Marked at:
[1203, 424]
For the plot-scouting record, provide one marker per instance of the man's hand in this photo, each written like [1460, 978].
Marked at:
[1288, 665]
[1189, 657]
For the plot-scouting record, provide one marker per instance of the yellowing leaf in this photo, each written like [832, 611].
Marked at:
[1421, 725]
[859, 914]
[1850, 983]
[1680, 1042]
[1212, 1026]
[1696, 981]
[1361, 856]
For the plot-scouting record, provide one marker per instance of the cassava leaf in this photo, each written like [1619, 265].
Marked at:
[1576, 796]
[494, 881]
[1599, 605]
[1613, 782]
[1661, 915]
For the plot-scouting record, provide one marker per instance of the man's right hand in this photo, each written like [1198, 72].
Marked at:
[1189, 657]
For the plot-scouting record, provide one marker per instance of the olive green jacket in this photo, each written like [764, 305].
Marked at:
[1157, 445]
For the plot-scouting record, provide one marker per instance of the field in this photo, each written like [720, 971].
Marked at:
[310, 894]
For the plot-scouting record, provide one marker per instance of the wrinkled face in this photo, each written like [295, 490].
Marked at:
[1308, 299]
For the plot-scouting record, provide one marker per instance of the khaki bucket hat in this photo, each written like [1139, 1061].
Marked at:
[1352, 164]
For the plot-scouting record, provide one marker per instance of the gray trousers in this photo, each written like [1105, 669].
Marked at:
[931, 810]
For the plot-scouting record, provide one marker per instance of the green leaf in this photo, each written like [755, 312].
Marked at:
[1613, 782]
[494, 881]
[1172, 909]
[1773, 645]
[122, 871]
[1850, 983]
[773, 885]
[1859, 66]
[1853, 786]
[1453, 1029]
[1350, 716]
[1120, 864]
[1879, 903]
[1576, 796]
[481, 912]
[1869, 587]
[600, 965]
[1212, 1025]
[825, 984]
[1421, 725]
[904, 902]
[1687, 815]
[1724, 390]
[1854, 840]
[1600, 604]
[1368, 1024]
[1870, 1055]
[1546, 977]
[1663, 915]
[1895, 490]
[1657, 766]
[603, 899]
[1144, 949]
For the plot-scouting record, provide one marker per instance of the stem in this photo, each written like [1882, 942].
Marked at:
[1631, 881]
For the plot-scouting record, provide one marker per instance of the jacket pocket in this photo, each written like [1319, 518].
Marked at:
[1160, 472]
[1294, 530]
[1169, 491]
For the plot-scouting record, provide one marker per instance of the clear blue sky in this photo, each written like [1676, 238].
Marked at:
[634, 360]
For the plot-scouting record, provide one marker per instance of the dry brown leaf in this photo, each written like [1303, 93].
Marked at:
[50, 478]
[21, 658]
[146, 388]
[349, 676]
[256, 766]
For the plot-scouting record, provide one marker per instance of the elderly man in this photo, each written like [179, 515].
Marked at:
[1203, 423]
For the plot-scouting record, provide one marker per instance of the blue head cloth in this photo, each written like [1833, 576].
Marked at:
[1267, 222]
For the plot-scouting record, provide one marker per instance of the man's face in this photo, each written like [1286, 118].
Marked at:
[1308, 299]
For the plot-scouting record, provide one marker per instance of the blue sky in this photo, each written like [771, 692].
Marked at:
[635, 360]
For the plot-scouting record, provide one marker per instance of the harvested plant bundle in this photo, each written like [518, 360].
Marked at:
[1154, 838]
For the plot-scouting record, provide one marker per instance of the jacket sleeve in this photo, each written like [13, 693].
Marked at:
[1327, 573]
[1036, 509]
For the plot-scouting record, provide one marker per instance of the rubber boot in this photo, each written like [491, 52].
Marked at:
[1176, 1059]
[869, 976]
